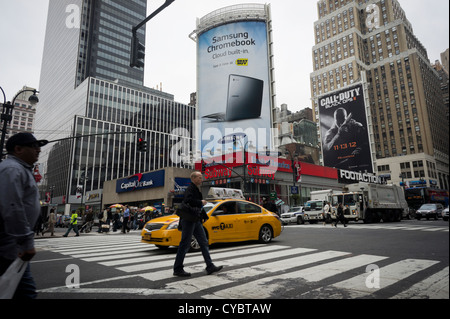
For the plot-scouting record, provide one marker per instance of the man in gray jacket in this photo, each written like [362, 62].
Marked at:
[19, 207]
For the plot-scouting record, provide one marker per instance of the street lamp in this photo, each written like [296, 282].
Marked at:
[237, 139]
[7, 109]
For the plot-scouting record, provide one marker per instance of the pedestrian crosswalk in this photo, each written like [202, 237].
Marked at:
[389, 226]
[253, 271]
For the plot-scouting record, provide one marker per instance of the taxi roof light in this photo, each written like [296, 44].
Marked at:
[216, 193]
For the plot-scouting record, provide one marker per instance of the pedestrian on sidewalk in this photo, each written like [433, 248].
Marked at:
[191, 224]
[126, 219]
[51, 223]
[73, 224]
[103, 221]
[19, 207]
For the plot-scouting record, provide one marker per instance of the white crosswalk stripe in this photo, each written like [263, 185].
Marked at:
[434, 287]
[251, 271]
[389, 275]
[379, 227]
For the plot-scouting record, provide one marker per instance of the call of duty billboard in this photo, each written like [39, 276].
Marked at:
[344, 130]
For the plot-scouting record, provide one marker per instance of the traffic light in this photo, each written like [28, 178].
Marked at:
[141, 145]
[137, 53]
[203, 166]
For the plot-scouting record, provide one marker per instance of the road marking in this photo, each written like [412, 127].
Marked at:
[151, 258]
[434, 287]
[435, 229]
[356, 287]
[111, 254]
[111, 247]
[197, 284]
[114, 257]
[273, 266]
[378, 227]
[50, 260]
[190, 260]
[83, 242]
[165, 274]
[266, 287]
[321, 272]
[118, 291]
[103, 291]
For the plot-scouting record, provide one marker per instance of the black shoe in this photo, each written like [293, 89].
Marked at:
[181, 274]
[213, 269]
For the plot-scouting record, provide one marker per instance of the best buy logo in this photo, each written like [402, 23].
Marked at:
[242, 62]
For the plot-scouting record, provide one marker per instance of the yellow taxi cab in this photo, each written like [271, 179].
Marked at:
[231, 219]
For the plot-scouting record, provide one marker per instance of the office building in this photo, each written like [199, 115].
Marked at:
[88, 88]
[373, 40]
[443, 79]
[444, 59]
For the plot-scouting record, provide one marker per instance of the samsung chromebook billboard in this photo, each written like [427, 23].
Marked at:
[234, 94]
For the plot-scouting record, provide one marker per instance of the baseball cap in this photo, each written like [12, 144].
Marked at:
[23, 139]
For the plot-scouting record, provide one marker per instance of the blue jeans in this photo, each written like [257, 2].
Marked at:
[190, 229]
[74, 227]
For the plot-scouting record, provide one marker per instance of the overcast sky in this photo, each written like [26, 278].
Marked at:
[171, 55]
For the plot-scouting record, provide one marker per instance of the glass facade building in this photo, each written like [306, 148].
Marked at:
[88, 88]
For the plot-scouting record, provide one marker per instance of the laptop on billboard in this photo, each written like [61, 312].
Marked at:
[244, 101]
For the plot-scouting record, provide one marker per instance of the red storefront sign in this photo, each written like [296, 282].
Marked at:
[261, 167]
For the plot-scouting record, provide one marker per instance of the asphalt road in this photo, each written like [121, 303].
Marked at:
[378, 261]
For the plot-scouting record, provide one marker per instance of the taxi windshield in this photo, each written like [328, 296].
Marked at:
[209, 206]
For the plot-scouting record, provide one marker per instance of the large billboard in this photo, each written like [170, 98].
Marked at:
[234, 86]
[344, 130]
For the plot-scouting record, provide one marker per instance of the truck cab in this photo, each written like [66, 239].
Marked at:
[372, 202]
[354, 204]
[314, 211]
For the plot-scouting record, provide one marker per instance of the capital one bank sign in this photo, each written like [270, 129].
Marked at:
[140, 181]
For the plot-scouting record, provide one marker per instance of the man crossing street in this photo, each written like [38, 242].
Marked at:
[73, 224]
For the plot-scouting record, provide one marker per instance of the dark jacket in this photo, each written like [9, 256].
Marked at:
[340, 211]
[193, 196]
[191, 208]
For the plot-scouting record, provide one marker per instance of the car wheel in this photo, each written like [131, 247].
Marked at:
[195, 246]
[265, 234]
[300, 221]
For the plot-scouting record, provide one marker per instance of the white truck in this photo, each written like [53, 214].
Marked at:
[372, 202]
[314, 207]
